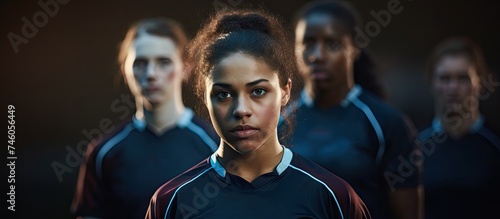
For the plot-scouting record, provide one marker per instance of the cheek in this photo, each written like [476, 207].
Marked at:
[467, 86]
[270, 113]
[302, 63]
[139, 82]
[167, 75]
[136, 78]
[170, 74]
[439, 85]
[304, 56]
[338, 61]
[438, 89]
[218, 112]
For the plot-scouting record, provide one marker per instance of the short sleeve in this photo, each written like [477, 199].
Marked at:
[88, 195]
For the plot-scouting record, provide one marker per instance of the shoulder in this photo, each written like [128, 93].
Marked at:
[315, 172]
[379, 107]
[425, 133]
[201, 122]
[164, 196]
[202, 129]
[187, 177]
[343, 195]
[104, 142]
[490, 136]
[388, 117]
[206, 126]
[99, 147]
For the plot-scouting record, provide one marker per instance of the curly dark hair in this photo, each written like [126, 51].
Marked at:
[252, 32]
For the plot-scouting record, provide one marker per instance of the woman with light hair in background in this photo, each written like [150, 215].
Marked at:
[163, 139]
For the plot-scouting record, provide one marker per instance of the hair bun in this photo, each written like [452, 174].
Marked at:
[234, 23]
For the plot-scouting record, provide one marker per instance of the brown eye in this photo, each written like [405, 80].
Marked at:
[164, 61]
[334, 45]
[259, 92]
[222, 95]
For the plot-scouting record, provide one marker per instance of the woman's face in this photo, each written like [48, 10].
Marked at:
[153, 68]
[244, 99]
[455, 84]
[324, 50]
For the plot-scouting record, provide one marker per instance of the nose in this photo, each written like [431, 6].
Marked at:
[453, 84]
[242, 108]
[151, 71]
[317, 54]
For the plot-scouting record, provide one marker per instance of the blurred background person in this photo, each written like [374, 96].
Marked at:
[462, 156]
[344, 126]
[119, 175]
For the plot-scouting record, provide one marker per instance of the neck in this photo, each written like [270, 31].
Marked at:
[253, 164]
[458, 124]
[163, 116]
[325, 99]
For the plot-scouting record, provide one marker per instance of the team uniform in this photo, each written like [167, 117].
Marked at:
[298, 188]
[461, 177]
[363, 141]
[120, 174]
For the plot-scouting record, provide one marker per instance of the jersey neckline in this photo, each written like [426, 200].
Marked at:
[141, 124]
[286, 159]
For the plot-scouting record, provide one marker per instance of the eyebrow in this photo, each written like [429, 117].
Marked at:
[162, 56]
[249, 84]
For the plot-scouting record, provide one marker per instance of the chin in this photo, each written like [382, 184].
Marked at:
[153, 102]
[156, 99]
[244, 147]
[323, 86]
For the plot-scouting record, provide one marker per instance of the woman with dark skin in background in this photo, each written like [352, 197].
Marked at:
[120, 173]
[243, 63]
[462, 156]
[343, 126]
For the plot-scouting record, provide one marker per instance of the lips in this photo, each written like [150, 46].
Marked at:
[243, 131]
[151, 89]
[320, 74]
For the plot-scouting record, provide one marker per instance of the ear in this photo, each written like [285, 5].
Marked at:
[286, 92]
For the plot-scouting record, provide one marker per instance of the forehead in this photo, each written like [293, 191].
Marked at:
[147, 45]
[453, 64]
[239, 67]
[320, 24]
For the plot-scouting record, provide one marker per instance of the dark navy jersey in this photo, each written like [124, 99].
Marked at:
[364, 141]
[461, 176]
[298, 188]
[120, 174]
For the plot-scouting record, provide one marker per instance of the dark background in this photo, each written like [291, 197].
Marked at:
[65, 80]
